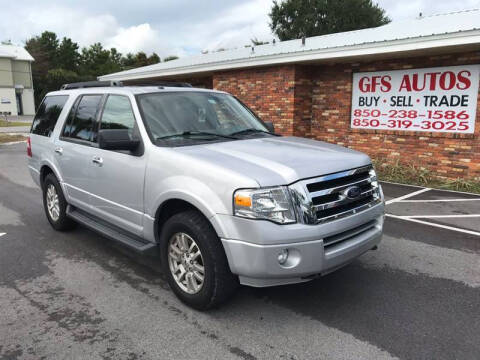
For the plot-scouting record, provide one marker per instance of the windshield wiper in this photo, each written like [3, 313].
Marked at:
[194, 133]
[250, 130]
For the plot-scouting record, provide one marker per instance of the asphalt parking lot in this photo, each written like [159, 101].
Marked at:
[77, 295]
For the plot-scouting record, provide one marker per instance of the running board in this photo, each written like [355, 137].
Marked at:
[136, 243]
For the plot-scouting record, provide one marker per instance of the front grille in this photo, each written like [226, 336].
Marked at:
[336, 195]
[346, 235]
[327, 184]
[343, 208]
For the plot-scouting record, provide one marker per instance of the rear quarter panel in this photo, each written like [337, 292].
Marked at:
[43, 147]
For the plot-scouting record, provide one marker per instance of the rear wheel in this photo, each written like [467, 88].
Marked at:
[194, 261]
[55, 204]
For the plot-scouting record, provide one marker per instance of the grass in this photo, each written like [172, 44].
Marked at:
[4, 123]
[6, 138]
[413, 174]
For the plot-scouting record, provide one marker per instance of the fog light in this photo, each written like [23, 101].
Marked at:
[282, 257]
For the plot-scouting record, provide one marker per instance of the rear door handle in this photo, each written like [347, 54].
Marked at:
[59, 150]
[97, 160]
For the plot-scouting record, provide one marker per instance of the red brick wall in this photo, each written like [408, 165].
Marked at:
[304, 76]
[269, 92]
[448, 155]
[315, 101]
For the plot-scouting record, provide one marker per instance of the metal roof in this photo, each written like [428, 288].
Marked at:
[434, 31]
[15, 52]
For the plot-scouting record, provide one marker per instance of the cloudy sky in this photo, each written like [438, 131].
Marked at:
[175, 27]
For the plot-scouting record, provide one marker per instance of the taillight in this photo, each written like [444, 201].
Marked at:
[29, 147]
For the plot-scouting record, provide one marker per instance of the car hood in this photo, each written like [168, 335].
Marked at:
[278, 160]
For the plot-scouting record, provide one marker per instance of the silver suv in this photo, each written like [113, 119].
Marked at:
[197, 177]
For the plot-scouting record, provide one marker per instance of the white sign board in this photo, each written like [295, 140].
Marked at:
[432, 99]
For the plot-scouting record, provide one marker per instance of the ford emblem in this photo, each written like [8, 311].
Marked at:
[353, 192]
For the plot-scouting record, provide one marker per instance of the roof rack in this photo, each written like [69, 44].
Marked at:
[163, 84]
[90, 84]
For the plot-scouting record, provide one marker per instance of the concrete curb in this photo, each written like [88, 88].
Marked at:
[15, 129]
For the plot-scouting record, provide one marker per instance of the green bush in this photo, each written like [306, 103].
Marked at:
[415, 174]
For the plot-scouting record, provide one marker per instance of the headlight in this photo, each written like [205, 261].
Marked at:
[375, 185]
[269, 203]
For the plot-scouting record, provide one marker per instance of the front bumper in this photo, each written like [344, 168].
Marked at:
[256, 261]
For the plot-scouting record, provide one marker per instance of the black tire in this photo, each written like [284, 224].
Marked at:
[63, 223]
[219, 283]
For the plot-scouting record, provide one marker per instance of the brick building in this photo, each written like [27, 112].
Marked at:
[315, 87]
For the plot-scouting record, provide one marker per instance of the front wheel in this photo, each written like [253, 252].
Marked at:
[194, 261]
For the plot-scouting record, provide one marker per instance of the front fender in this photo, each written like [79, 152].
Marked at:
[207, 200]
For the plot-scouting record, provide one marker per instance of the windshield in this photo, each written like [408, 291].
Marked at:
[197, 116]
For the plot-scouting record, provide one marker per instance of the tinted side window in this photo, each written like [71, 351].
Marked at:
[82, 123]
[47, 114]
[118, 113]
[69, 120]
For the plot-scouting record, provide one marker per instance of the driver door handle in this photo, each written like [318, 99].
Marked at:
[97, 160]
[59, 150]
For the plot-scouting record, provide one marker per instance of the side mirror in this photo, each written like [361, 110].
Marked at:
[117, 139]
[270, 126]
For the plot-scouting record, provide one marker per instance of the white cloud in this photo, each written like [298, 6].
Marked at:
[134, 39]
[181, 27]
[398, 10]
[240, 24]
[82, 27]
[94, 29]
[86, 29]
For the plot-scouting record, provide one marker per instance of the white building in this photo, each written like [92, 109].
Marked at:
[16, 84]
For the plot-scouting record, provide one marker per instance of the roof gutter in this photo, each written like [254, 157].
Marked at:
[376, 48]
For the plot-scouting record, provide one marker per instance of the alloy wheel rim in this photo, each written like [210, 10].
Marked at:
[186, 263]
[53, 205]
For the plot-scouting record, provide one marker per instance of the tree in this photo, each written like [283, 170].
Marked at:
[141, 59]
[67, 55]
[59, 62]
[256, 42]
[293, 19]
[170, 58]
[128, 61]
[115, 57]
[43, 48]
[95, 61]
[57, 77]
[154, 59]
